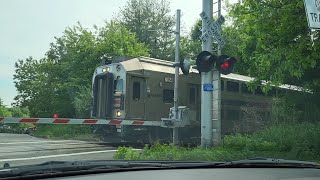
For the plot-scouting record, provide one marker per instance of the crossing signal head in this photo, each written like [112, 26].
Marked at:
[205, 61]
[184, 66]
[225, 64]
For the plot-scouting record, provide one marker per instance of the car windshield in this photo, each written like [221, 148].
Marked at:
[155, 80]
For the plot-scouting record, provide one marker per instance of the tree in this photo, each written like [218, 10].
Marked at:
[148, 19]
[191, 44]
[4, 112]
[20, 111]
[36, 83]
[114, 39]
[275, 42]
[1, 102]
[25, 75]
[82, 102]
[52, 84]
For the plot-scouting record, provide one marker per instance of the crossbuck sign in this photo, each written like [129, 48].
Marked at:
[214, 29]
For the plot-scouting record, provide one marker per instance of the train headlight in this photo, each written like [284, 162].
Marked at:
[106, 69]
[118, 113]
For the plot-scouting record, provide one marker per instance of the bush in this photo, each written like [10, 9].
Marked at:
[295, 141]
[82, 132]
[126, 153]
[251, 143]
[302, 139]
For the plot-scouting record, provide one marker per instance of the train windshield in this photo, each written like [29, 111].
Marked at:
[118, 85]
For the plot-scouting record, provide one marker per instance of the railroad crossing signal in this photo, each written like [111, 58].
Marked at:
[206, 61]
[225, 64]
[214, 29]
[184, 65]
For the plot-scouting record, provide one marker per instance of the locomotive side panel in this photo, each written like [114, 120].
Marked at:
[160, 94]
[136, 97]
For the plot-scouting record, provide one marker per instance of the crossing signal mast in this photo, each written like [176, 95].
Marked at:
[220, 64]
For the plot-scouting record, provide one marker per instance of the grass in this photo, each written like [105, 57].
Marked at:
[286, 141]
[77, 132]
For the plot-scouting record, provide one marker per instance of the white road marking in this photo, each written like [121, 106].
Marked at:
[57, 155]
[35, 142]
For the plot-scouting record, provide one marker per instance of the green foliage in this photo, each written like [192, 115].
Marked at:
[288, 141]
[189, 48]
[151, 21]
[20, 111]
[56, 83]
[126, 153]
[115, 39]
[273, 41]
[191, 44]
[80, 132]
[13, 111]
[285, 111]
[240, 142]
[82, 102]
[4, 112]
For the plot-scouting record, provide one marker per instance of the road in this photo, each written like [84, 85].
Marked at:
[23, 149]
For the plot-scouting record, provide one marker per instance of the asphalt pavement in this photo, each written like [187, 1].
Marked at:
[23, 149]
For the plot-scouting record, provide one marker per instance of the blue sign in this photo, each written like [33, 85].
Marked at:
[207, 87]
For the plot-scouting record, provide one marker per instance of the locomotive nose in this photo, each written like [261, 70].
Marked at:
[102, 100]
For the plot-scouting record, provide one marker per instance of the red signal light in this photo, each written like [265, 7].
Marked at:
[55, 116]
[225, 66]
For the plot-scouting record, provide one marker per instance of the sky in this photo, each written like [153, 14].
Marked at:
[27, 27]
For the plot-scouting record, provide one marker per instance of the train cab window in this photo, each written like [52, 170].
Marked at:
[232, 86]
[258, 91]
[136, 91]
[118, 85]
[192, 96]
[245, 89]
[168, 95]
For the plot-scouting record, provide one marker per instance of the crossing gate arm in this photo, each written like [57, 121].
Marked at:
[14, 120]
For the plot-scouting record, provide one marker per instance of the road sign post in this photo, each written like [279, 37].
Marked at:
[216, 95]
[206, 78]
[211, 29]
[176, 77]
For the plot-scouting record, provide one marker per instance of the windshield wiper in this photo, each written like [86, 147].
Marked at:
[270, 162]
[70, 166]
[55, 167]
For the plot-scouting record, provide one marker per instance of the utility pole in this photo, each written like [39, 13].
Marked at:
[206, 78]
[216, 99]
[176, 77]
